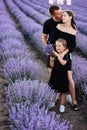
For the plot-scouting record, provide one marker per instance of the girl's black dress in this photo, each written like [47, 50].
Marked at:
[59, 78]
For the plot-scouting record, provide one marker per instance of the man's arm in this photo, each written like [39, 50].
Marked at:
[44, 38]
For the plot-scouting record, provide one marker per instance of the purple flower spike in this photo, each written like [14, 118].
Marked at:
[49, 48]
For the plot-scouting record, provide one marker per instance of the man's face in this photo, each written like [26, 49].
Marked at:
[57, 15]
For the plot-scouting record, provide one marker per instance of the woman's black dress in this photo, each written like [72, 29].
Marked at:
[59, 78]
[70, 38]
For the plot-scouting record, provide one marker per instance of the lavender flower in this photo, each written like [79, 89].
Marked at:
[30, 92]
[49, 48]
[34, 118]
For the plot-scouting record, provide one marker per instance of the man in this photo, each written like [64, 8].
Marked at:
[48, 28]
[50, 25]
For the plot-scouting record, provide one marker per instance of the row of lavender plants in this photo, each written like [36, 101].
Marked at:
[31, 12]
[27, 100]
[37, 7]
[28, 25]
[75, 5]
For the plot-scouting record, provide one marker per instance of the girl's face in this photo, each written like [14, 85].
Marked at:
[59, 47]
[66, 18]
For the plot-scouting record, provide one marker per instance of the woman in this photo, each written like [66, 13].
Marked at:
[67, 30]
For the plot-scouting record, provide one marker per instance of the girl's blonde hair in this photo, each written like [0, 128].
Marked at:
[64, 42]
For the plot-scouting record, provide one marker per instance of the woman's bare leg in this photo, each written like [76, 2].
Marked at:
[72, 87]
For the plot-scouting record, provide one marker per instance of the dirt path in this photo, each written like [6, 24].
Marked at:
[3, 111]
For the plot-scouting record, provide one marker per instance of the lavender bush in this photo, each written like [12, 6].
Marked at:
[24, 114]
[7, 34]
[81, 43]
[80, 71]
[49, 49]
[19, 65]
[31, 92]
[80, 77]
[34, 118]
[14, 48]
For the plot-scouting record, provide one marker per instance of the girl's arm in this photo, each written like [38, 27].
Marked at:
[61, 60]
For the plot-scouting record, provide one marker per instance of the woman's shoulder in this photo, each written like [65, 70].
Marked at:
[68, 30]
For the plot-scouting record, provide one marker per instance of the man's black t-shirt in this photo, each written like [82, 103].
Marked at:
[49, 26]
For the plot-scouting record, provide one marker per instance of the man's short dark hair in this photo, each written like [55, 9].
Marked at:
[53, 8]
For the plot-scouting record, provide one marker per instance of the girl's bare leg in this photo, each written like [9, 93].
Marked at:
[62, 102]
[62, 98]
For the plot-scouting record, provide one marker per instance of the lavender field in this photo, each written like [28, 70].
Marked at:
[28, 100]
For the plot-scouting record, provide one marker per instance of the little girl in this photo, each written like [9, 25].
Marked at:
[59, 78]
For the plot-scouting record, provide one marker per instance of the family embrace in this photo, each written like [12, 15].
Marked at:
[60, 31]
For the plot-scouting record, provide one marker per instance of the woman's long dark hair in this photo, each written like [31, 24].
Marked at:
[70, 13]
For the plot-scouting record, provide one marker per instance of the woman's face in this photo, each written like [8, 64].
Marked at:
[65, 17]
[59, 47]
